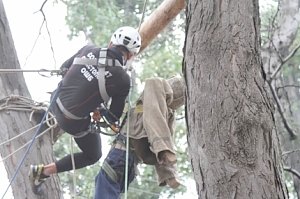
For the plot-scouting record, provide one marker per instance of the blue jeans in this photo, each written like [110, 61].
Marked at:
[106, 187]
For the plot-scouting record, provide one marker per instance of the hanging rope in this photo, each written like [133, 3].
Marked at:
[127, 140]
[128, 117]
[74, 168]
[143, 14]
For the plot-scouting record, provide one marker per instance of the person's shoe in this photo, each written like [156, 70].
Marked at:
[173, 183]
[167, 158]
[37, 178]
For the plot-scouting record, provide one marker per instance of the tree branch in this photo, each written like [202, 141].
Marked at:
[287, 86]
[281, 113]
[293, 171]
[288, 152]
[283, 61]
[40, 32]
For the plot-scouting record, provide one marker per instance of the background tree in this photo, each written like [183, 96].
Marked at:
[232, 139]
[280, 44]
[15, 112]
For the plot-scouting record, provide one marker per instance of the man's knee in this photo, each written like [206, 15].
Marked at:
[93, 159]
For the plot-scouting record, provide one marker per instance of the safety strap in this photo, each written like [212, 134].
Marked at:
[100, 63]
[101, 75]
[121, 138]
[110, 171]
[66, 112]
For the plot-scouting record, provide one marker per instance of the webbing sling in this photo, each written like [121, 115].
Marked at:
[110, 171]
[100, 63]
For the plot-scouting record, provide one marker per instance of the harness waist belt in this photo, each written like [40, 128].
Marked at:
[66, 112]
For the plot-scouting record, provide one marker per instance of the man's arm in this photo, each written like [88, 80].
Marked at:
[115, 110]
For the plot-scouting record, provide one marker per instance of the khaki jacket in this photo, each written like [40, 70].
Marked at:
[151, 126]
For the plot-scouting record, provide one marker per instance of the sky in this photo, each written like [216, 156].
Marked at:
[35, 52]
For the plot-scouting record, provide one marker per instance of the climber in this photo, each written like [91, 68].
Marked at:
[91, 77]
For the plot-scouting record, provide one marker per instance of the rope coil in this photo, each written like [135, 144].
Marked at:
[20, 103]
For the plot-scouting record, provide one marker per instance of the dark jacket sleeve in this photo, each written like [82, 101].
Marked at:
[118, 91]
[116, 107]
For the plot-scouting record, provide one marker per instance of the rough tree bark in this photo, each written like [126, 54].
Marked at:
[12, 123]
[233, 145]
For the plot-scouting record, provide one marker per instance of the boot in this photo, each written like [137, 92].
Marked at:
[167, 158]
[173, 183]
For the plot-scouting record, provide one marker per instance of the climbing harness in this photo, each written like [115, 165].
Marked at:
[100, 63]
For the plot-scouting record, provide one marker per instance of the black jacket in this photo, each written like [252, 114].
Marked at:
[79, 91]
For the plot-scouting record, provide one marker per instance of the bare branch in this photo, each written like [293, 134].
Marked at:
[287, 86]
[34, 44]
[46, 23]
[289, 152]
[281, 113]
[283, 61]
[40, 32]
[293, 171]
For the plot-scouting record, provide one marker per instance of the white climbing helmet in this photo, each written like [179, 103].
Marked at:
[128, 37]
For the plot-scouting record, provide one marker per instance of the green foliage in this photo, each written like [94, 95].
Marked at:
[98, 19]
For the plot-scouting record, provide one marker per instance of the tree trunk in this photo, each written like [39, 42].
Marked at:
[14, 122]
[233, 145]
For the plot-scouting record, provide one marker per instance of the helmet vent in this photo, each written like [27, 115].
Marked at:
[125, 42]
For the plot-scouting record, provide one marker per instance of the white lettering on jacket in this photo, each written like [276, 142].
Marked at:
[89, 72]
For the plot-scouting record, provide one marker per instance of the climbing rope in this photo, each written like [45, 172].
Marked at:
[21, 106]
[143, 14]
[11, 154]
[127, 140]
[74, 168]
[128, 117]
[20, 103]
[40, 71]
